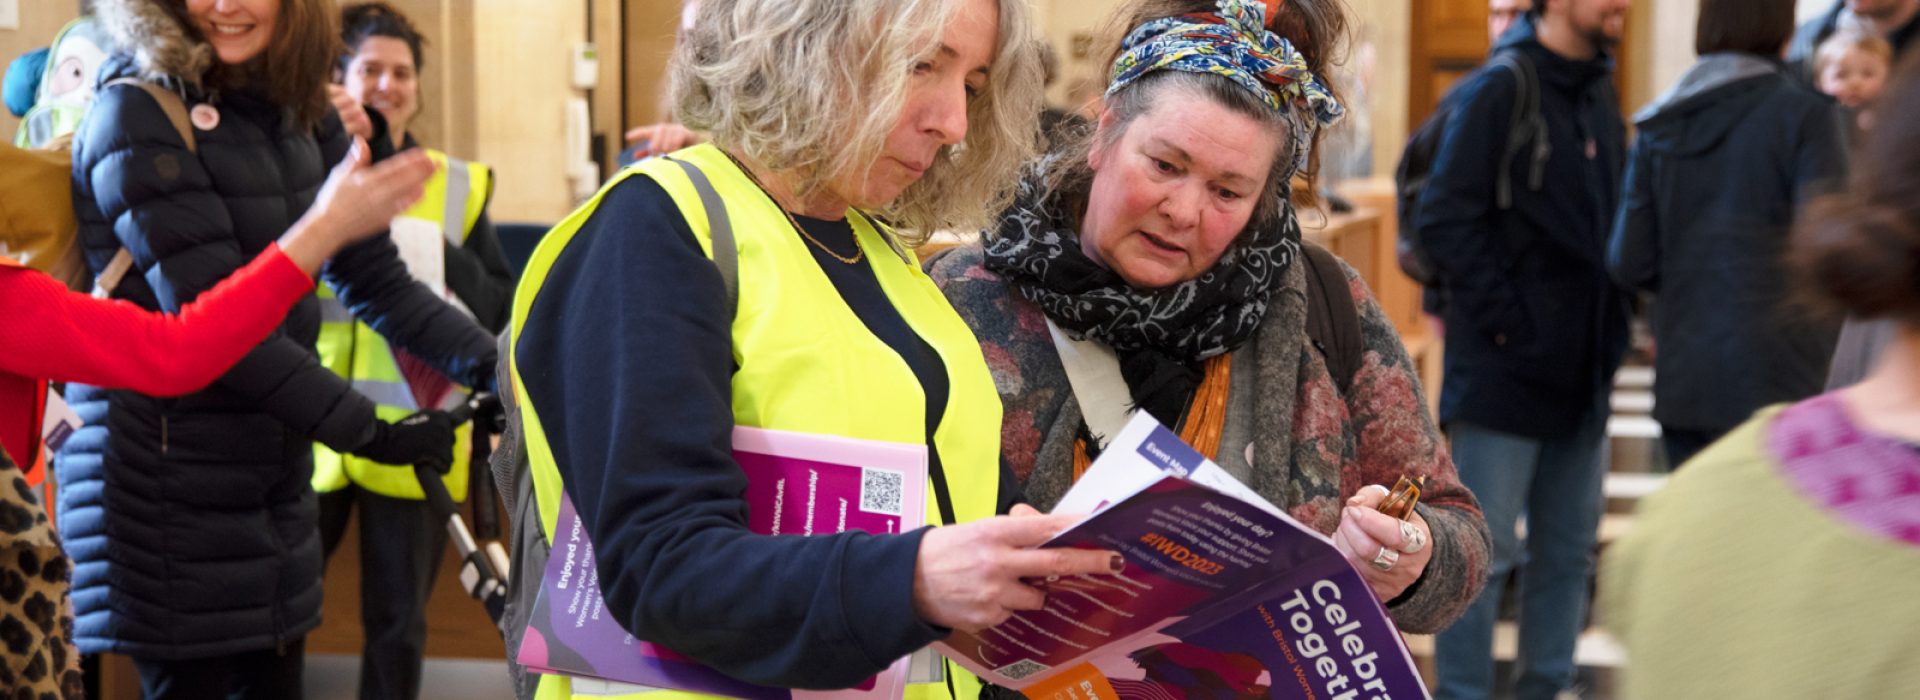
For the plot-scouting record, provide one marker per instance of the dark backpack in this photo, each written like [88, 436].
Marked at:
[1333, 322]
[1528, 128]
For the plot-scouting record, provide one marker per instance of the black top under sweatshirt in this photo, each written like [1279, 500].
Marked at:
[626, 357]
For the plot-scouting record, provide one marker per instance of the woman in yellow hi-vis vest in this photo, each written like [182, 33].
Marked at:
[448, 244]
[631, 366]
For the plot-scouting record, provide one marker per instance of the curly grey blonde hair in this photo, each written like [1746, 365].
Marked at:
[813, 87]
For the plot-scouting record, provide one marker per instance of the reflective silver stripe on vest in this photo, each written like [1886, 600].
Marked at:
[395, 394]
[453, 222]
[332, 310]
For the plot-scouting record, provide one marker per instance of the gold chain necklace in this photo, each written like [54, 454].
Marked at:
[858, 252]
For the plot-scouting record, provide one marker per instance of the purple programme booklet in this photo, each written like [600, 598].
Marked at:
[797, 484]
[1224, 596]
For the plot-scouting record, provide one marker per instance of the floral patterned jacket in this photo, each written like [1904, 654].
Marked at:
[1289, 434]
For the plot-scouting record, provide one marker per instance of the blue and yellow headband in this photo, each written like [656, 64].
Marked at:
[1232, 43]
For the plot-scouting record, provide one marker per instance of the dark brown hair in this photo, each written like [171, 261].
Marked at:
[296, 65]
[1316, 28]
[1749, 26]
[363, 20]
[1858, 252]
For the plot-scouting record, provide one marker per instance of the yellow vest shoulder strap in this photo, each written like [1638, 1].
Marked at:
[725, 254]
[464, 188]
[721, 248]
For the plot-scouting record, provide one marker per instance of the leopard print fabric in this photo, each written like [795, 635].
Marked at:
[37, 660]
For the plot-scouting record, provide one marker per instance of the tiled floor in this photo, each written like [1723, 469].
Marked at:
[331, 677]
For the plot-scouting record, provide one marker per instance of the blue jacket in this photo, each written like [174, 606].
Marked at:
[1534, 327]
[1719, 168]
[191, 521]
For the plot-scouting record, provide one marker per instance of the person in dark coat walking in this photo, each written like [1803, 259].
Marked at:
[1720, 166]
[1534, 331]
[191, 521]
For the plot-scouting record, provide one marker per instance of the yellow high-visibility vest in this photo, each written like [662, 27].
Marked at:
[454, 199]
[846, 383]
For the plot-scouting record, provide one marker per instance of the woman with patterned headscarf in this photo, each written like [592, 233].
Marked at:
[1163, 253]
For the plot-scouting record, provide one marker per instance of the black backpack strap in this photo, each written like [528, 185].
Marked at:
[1333, 322]
[1527, 127]
[1534, 124]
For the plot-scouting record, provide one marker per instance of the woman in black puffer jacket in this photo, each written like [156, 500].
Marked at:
[191, 521]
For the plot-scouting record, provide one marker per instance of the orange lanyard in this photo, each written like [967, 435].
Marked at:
[1206, 418]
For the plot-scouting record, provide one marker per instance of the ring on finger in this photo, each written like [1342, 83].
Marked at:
[1385, 560]
[1413, 539]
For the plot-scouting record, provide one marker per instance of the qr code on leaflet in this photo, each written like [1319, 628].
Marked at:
[880, 491]
[1020, 670]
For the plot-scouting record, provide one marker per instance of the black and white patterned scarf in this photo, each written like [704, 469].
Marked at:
[1036, 248]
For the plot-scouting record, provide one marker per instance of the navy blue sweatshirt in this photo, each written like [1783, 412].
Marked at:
[1535, 326]
[626, 355]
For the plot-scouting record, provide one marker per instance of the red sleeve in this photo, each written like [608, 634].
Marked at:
[52, 333]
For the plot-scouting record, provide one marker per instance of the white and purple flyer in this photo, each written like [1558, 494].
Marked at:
[1224, 596]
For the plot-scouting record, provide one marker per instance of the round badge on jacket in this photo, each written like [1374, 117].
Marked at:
[205, 117]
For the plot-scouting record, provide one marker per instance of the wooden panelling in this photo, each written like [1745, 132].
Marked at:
[650, 28]
[1380, 60]
[1455, 27]
[1449, 38]
[1633, 64]
[523, 51]
[609, 108]
[1442, 78]
[457, 80]
[456, 625]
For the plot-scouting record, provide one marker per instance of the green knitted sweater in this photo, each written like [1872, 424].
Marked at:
[1733, 584]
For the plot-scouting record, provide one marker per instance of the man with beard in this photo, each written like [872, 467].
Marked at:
[1896, 20]
[1534, 328]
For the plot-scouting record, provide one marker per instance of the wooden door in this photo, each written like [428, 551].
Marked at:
[1449, 39]
[649, 32]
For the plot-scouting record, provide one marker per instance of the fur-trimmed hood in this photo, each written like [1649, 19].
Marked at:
[159, 45]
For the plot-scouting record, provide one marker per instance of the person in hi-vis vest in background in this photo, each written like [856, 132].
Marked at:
[448, 244]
